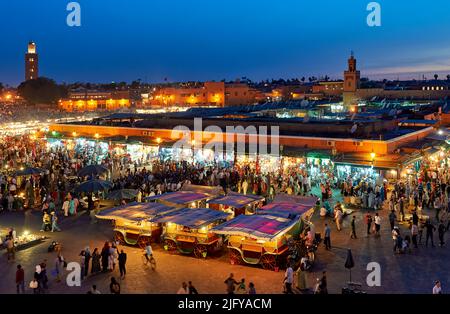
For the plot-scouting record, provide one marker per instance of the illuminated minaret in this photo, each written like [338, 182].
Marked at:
[351, 81]
[31, 62]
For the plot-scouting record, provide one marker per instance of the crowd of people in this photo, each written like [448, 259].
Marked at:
[52, 192]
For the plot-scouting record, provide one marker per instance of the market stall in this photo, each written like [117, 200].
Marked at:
[23, 241]
[181, 199]
[189, 231]
[258, 239]
[133, 223]
[237, 204]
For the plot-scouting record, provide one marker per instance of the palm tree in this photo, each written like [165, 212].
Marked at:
[436, 77]
[448, 77]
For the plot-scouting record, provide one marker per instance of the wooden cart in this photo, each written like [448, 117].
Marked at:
[188, 231]
[237, 204]
[263, 238]
[133, 223]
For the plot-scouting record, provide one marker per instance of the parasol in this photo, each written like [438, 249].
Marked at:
[93, 186]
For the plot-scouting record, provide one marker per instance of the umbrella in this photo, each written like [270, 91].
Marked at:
[29, 171]
[123, 194]
[92, 170]
[93, 186]
[349, 262]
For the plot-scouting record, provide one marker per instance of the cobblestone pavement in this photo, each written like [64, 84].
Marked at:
[406, 273]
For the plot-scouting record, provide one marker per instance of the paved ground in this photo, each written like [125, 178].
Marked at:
[408, 273]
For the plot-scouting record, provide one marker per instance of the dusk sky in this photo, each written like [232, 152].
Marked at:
[223, 39]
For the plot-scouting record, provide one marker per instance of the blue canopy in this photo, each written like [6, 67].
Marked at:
[136, 211]
[180, 197]
[194, 218]
[236, 200]
[261, 227]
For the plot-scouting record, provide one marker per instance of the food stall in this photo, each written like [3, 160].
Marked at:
[22, 241]
[133, 223]
[262, 238]
[237, 204]
[188, 230]
[181, 199]
[258, 239]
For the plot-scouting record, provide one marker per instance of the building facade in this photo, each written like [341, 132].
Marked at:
[91, 100]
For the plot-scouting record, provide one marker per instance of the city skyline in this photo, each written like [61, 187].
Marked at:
[195, 43]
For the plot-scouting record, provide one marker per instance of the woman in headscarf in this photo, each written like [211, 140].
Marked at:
[38, 277]
[87, 259]
[96, 268]
[105, 257]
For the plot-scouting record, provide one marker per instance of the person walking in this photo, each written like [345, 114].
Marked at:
[288, 280]
[122, 264]
[323, 287]
[437, 289]
[83, 263]
[353, 224]
[87, 260]
[377, 224]
[59, 266]
[183, 289]
[429, 232]
[251, 288]
[191, 288]
[20, 279]
[395, 236]
[10, 249]
[105, 257]
[55, 226]
[338, 217]
[368, 220]
[230, 282]
[392, 219]
[96, 267]
[327, 237]
[241, 288]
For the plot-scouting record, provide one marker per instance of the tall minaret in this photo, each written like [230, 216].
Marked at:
[351, 81]
[31, 62]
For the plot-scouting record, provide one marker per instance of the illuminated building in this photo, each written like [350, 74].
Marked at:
[207, 94]
[90, 100]
[31, 62]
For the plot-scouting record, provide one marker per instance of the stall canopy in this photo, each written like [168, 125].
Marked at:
[236, 200]
[194, 218]
[180, 197]
[211, 190]
[260, 227]
[288, 206]
[136, 211]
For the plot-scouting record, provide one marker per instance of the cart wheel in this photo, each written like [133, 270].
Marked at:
[200, 251]
[235, 257]
[119, 238]
[142, 241]
[268, 261]
[170, 246]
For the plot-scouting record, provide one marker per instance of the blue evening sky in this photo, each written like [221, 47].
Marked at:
[123, 40]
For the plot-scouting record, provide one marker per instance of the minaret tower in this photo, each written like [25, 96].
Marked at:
[31, 62]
